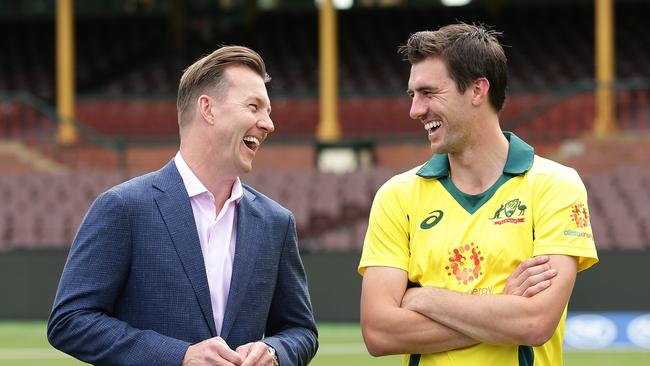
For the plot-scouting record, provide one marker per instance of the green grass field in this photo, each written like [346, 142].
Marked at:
[24, 344]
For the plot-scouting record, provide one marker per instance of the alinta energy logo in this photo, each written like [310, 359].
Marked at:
[580, 216]
[465, 263]
[513, 207]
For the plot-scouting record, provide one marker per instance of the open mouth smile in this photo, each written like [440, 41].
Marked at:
[251, 142]
[430, 126]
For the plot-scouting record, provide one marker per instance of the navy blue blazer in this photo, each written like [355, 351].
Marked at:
[134, 289]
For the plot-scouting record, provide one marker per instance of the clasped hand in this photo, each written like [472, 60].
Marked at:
[216, 352]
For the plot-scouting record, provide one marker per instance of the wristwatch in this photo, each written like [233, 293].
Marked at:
[276, 362]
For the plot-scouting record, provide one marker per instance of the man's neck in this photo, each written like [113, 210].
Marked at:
[479, 166]
[208, 173]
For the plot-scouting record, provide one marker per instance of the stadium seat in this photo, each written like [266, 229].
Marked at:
[331, 210]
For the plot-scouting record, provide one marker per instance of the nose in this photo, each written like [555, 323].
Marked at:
[418, 108]
[266, 124]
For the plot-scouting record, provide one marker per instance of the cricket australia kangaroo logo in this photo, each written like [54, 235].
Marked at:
[508, 209]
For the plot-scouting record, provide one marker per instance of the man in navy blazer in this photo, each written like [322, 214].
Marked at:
[185, 265]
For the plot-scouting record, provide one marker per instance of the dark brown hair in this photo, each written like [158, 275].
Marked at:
[470, 51]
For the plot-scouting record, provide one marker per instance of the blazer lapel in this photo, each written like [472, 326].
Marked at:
[249, 231]
[176, 210]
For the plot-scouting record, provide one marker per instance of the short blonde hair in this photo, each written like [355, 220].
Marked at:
[208, 73]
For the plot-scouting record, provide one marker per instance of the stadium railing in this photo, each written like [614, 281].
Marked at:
[34, 123]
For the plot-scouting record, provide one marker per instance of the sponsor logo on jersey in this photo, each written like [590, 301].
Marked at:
[579, 234]
[511, 208]
[431, 220]
[465, 263]
[480, 291]
[580, 216]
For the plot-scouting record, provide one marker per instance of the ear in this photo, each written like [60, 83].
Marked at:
[204, 105]
[480, 88]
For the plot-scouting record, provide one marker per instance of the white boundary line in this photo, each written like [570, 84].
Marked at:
[45, 353]
[605, 350]
[34, 353]
[330, 349]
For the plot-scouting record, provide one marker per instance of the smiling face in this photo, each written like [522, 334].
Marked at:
[445, 113]
[241, 121]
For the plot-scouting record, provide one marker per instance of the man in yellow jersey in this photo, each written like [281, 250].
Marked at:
[459, 225]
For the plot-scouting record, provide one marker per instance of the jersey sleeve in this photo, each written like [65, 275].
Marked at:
[561, 218]
[387, 241]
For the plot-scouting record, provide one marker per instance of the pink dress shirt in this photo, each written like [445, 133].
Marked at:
[217, 235]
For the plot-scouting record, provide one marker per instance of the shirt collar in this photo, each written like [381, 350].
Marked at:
[519, 161]
[194, 186]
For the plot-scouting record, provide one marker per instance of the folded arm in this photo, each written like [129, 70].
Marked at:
[500, 319]
[388, 328]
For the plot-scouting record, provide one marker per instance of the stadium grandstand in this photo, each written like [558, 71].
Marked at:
[128, 64]
[128, 58]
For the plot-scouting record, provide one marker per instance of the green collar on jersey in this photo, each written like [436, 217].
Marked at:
[519, 161]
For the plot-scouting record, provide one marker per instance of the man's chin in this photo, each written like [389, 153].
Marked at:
[438, 147]
[435, 149]
[246, 167]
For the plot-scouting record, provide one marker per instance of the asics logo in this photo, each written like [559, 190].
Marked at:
[432, 220]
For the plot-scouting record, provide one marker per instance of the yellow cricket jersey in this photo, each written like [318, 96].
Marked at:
[421, 223]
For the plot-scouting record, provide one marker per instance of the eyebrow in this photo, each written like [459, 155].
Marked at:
[431, 89]
[423, 89]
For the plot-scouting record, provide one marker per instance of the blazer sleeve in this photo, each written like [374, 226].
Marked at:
[291, 328]
[96, 270]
